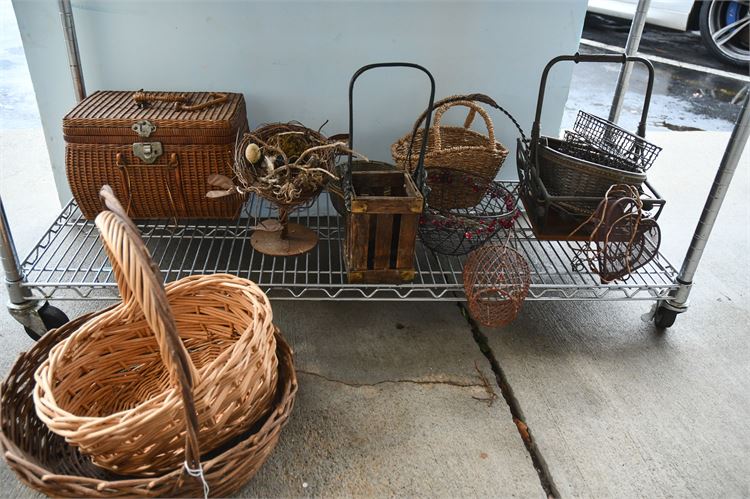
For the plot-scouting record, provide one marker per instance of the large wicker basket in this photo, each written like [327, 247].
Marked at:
[112, 388]
[44, 461]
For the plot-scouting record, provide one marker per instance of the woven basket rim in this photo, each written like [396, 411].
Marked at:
[276, 416]
[171, 289]
[400, 148]
[588, 166]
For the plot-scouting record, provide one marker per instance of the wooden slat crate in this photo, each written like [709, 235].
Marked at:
[381, 229]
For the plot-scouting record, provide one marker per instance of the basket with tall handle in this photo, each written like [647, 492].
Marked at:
[119, 386]
[44, 461]
[382, 207]
[461, 149]
[560, 185]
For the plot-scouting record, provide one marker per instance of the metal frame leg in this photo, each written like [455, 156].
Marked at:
[678, 300]
[22, 306]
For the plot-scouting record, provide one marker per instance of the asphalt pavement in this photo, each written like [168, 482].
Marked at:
[681, 46]
[697, 97]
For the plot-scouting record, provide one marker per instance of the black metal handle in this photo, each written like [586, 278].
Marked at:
[622, 59]
[419, 172]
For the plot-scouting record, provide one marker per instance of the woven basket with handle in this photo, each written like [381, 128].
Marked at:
[113, 387]
[459, 148]
[44, 461]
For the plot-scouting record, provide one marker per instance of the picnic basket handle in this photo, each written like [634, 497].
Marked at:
[474, 109]
[181, 102]
[576, 58]
[139, 280]
[419, 173]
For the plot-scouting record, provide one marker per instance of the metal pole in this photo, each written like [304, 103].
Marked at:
[631, 49]
[22, 304]
[737, 141]
[9, 257]
[71, 42]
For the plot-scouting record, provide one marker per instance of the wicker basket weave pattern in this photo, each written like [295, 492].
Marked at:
[565, 175]
[112, 388]
[44, 461]
[458, 148]
[196, 135]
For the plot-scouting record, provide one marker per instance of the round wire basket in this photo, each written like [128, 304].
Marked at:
[496, 282]
[447, 228]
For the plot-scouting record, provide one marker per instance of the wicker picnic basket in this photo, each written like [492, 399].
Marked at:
[112, 388]
[155, 149]
[44, 461]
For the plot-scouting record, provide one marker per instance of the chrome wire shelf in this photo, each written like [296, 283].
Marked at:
[69, 263]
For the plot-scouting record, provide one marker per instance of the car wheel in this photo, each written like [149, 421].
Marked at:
[725, 28]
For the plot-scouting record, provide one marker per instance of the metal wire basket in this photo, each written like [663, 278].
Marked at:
[450, 230]
[622, 240]
[496, 281]
[631, 152]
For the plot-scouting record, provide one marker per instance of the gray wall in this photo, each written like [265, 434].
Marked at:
[293, 60]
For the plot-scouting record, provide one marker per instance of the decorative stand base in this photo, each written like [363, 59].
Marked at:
[299, 239]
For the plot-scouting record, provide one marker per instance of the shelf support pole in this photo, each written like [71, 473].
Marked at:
[678, 300]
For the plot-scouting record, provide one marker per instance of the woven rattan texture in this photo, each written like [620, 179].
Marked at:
[44, 461]
[196, 144]
[565, 175]
[454, 147]
[496, 281]
[112, 387]
[112, 113]
[174, 186]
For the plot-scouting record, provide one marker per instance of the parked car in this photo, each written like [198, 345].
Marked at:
[724, 25]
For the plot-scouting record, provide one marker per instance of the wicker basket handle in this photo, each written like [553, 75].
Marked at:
[181, 102]
[139, 280]
[474, 109]
[476, 97]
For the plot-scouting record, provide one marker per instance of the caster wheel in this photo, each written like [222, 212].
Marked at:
[51, 318]
[664, 318]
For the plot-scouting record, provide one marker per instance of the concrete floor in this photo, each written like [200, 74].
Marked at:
[391, 395]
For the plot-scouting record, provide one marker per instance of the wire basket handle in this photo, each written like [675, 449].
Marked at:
[576, 58]
[419, 172]
[139, 280]
[474, 109]
[476, 97]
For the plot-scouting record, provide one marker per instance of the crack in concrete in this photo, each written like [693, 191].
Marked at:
[386, 381]
[540, 465]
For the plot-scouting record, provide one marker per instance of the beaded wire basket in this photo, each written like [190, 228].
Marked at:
[448, 228]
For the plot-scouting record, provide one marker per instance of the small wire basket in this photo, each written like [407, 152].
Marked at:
[458, 230]
[496, 282]
[579, 147]
[633, 153]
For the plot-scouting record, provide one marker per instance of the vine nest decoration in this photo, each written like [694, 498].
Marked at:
[288, 164]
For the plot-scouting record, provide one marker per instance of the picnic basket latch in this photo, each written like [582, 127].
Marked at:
[147, 152]
[143, 128]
